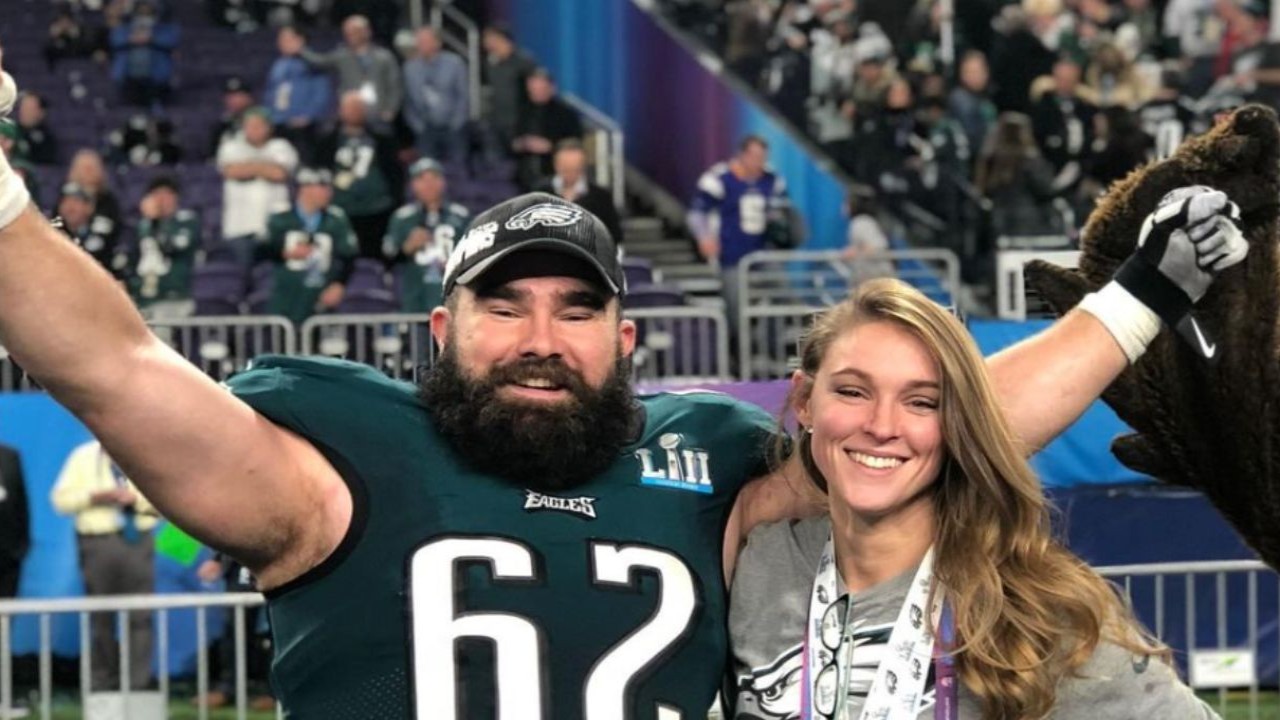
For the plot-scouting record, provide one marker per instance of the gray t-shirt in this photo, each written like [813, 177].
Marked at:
[770, 600]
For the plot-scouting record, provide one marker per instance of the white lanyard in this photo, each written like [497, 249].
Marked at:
[898, 689]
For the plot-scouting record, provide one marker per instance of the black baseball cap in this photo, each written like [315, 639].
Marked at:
[234, 84]
[164, 181]
[567, 239]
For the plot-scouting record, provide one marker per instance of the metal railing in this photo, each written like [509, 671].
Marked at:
[222, 345]
[680, 345]
[1012, 300]
[462, 36]
[1167, 597]
[608, 145]
[219, 345]
[398, 344]
[1170, 600]
[43, 610]
[780, 290]
[12, 376]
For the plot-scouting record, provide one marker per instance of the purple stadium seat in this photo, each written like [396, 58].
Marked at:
[648, 296]
[638, 271]
[263, 276]
[257, 301]
[368, 300]
[368, 274]
[217, 288]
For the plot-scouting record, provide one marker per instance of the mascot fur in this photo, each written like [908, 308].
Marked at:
[1214, 427]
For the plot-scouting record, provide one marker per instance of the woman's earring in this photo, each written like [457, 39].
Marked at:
[809, 429]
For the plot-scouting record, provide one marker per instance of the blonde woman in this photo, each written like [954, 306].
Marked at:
[934, 589]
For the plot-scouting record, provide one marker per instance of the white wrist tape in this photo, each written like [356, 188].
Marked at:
[14, 197]
[1131, 323]
[8, 93]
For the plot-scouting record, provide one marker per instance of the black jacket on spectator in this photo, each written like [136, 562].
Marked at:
[787, 80]
[1063, 129]
[1125, 147]
[596, 200]
[106, 205]
[1020, 58]
[38, 144]
[383, 16]
[553, 120]
[882, 145]
[15, 530]
[507, 78]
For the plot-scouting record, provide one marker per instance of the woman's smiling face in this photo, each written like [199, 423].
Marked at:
[874, 415]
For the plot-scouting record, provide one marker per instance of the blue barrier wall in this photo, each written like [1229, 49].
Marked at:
[44, 433]
[679, 117]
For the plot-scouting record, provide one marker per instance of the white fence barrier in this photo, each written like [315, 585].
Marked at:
[1181, 603]
[398, 344]
[1174, 600]
[127, 704]
[680, 344]
[222, 345]
[779, 290]
[218, 345]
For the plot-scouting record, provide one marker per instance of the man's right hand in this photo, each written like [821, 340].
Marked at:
[418, 239]
[121, 497]
[209, 571]
[298, 252]
[709, 247]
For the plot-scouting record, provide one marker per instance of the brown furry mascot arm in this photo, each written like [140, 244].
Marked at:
[1209, 426]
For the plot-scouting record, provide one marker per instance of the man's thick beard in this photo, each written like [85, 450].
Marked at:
[548, 447]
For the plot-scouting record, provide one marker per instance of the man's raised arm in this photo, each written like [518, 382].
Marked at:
[1047, 381]
[205, 459]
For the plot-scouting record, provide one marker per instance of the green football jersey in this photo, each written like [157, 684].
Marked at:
[160, 265]
[299, 282]
[460, 595]
[359, 184]
[421, 274]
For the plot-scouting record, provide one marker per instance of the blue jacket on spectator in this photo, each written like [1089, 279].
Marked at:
[295, 91]
[153, 61]
[436, 92]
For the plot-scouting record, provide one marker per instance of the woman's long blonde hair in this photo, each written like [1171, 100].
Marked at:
[1027, 611]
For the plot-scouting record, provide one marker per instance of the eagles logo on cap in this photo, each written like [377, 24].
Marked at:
[546, 214]
[543, 222]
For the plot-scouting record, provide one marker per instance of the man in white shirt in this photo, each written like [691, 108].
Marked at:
[113, 530]
[256, 168]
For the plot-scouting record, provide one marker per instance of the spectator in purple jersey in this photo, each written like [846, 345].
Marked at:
[741, 206]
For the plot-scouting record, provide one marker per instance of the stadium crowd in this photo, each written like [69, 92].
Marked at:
[329, 169]
[1012, 116]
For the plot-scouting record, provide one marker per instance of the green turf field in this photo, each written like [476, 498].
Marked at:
[1238, 706]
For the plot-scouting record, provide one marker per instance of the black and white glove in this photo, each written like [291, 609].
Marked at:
[1191, 236]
